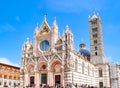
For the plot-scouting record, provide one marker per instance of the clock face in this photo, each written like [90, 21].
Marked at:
[44, 45]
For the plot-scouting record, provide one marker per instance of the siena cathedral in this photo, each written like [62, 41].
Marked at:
[51, 59]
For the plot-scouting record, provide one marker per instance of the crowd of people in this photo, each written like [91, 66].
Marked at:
[59, 86]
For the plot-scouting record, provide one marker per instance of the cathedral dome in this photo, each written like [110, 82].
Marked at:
[83, 51]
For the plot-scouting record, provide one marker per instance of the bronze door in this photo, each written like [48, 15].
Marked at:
[57, 79]
[32, 80]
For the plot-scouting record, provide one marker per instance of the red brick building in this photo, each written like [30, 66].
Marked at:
[9, 75]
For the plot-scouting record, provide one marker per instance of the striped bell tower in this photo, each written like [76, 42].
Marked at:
[96, 40]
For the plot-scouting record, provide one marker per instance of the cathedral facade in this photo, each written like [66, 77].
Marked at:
[51, 59]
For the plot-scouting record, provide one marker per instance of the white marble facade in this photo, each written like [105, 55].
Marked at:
[52, 60]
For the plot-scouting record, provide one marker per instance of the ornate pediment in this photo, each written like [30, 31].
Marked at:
[30, 60]
[42, 58]
[56, 56]
[59, 40]
[45, 29]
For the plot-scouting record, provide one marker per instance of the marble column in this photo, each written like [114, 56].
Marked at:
[26, 80]
[48, 77]
[51, 79]
[62, 76]
[21, 81]
[37, 80]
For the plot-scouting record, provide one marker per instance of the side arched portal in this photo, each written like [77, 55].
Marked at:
[31, 75]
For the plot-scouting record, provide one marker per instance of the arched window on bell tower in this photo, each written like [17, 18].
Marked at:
[100, 73]
[95, 41]
[96, 53]
[95, 47]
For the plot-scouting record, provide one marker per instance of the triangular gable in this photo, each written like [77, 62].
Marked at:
[44, 29]
[56, 56]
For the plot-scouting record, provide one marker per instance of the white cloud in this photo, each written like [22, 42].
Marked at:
[6, 27]
[7, 61]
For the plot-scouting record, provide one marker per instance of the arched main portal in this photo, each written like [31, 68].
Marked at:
[56, 68]
[43, 72]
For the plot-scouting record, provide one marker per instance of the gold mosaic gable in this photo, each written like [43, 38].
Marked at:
[59, 40]
[44, 29]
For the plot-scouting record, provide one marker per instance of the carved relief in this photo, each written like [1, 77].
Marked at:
[44, 30]
[30, 68]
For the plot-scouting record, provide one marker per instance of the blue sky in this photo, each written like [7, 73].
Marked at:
[18, 18]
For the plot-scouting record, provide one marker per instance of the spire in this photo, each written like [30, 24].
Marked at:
[54, 22]
[95, 15]
[27, 45]
[67, 28]
[45, 17]
[88, 16]
[36, 29]
[37, 26]
[27, 40]
[54, 25]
